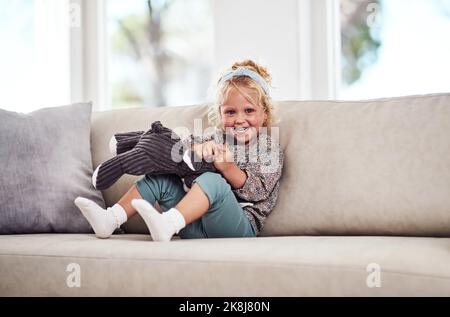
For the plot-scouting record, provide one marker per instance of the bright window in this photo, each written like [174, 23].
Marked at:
[394, 47]
[34, 59]
[160, 52]
[16, 56]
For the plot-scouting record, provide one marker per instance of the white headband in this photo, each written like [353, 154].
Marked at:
[242, 71]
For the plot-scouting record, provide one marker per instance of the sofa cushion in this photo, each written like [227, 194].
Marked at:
[375, 167]
[46, 164]
[132, 265]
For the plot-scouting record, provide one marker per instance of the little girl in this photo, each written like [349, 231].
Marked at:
[232, 203]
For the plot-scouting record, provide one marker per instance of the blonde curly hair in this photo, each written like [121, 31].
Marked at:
[222, 90]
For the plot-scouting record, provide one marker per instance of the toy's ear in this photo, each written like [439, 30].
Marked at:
[157, 127]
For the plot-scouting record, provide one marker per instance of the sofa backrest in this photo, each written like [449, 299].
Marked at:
[375, 167]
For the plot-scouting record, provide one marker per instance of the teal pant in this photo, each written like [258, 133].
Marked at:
[225, 218]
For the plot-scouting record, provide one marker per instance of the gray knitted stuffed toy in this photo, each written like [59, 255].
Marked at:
[140, 153]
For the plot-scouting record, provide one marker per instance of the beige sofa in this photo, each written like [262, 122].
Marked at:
[364, 210]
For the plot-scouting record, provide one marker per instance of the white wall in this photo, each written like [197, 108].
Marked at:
[266, 31]
[298, 40]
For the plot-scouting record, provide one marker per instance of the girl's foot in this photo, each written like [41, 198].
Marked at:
[102, 221]
[161, 226]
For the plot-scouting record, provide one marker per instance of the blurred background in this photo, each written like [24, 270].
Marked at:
[156, 53]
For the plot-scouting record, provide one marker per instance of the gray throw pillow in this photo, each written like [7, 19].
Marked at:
[46, 163]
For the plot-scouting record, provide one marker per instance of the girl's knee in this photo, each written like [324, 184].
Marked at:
[211, 176]
[214, 180]
[214, 185]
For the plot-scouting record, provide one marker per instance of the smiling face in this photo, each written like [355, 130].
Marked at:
[241, 116]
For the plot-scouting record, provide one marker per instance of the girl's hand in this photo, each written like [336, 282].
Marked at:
[205, 151]
[223, 157]
[212, 152]
[223, 154]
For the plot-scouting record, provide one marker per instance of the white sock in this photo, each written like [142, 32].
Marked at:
[104, 222]
[161, 226]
